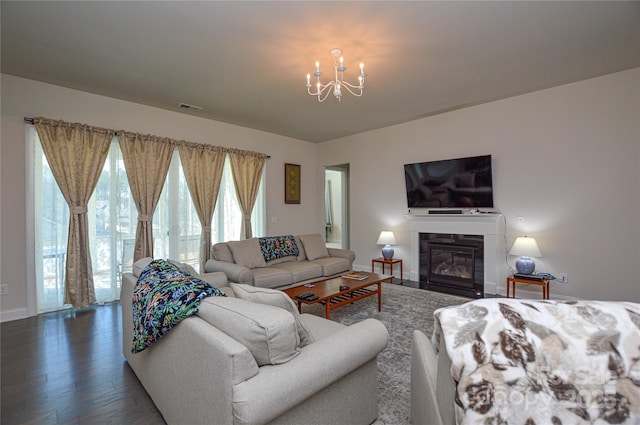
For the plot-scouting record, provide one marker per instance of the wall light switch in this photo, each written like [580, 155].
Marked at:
[520, 220]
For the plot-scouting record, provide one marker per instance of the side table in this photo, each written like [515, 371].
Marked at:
[390, 262]
[511, 283]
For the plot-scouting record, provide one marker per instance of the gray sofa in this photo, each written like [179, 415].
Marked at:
[311, 370]
[244, 262]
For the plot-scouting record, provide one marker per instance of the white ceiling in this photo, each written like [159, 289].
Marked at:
[245, 63]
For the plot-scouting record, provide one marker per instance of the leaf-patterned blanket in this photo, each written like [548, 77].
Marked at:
[524, 362]
[162, 297]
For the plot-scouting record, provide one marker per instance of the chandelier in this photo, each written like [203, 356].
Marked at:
[323, 90]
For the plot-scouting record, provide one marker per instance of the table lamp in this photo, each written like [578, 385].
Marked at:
[387, 239]
[526, 247]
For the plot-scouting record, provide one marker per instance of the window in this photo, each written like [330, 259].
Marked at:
[112, 225]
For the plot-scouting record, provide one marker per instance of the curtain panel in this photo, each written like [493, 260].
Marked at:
[247, 169]
[146, 160]
[76, 154]
[203, 167]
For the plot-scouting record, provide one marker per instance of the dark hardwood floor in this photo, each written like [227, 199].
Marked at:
[67, 368]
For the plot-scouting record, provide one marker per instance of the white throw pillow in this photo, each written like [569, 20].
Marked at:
[274, 298]
[247, 253]
[314, 246]
[184, 267]
[139, 265]
[221, 252]
[268, 332]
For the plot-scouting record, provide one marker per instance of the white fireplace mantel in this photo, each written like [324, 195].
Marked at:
[490, 226]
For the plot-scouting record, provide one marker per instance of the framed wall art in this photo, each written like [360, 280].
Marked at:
[291, 183]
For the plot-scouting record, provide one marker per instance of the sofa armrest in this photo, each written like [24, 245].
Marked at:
[217, 279]
[234, 272]
[424, 364]
[316, 367]
[342, 253]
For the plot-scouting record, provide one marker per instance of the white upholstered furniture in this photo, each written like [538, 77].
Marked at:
[243, 262]
[198, 373]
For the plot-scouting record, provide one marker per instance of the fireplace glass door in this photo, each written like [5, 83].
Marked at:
[451, 264]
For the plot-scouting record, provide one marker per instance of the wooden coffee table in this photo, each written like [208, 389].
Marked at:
[329, 293]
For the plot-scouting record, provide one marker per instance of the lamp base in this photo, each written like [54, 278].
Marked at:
[525, 265]
[387, 252]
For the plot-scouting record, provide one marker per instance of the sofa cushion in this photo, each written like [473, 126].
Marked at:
[247, 253]
[301, 270]
[281, 260]
[271, 277]
[216, 279]
[221, 252]
[184, 267]
[314, 246]
[301, 254]
[268, 332]
[139, 265]
[332, 265]
[277, 299]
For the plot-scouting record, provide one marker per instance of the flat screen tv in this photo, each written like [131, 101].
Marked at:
[450, 183]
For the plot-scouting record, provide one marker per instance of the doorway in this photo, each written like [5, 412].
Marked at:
[336, 206]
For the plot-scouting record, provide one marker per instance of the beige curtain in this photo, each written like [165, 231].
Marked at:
[203, 167]
[246, 168]
[76, 154]
[146, 160]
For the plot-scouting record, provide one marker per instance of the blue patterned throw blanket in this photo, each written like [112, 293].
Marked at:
[162, 297]
[274, 247]
[524, 362]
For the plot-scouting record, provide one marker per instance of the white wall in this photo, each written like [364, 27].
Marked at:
[26, 98]
[566, 158]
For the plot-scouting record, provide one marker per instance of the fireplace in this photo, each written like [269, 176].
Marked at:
[483, 232]
[452, 263]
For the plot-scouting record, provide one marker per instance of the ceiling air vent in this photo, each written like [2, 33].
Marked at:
[190, 107]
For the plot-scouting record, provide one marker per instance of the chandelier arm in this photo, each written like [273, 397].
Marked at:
[323, 92]
[356, 94]
[361, 86]
[323, 88]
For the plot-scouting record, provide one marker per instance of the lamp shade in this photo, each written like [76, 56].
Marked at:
[525, 246]
[386, 238]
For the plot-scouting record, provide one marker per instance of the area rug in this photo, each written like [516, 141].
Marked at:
[403, 310]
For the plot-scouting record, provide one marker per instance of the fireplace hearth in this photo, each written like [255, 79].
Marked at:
[452, 263]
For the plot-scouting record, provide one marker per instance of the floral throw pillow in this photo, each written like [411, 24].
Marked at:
[274, 247]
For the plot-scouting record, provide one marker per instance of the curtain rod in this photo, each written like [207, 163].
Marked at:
[30, 121]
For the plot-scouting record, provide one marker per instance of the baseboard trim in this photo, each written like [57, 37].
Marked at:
[15, 314]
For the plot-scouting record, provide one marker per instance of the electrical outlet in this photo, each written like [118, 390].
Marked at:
[562, 278]
[4, 289]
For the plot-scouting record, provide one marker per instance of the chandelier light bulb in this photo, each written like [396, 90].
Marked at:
[335, 86]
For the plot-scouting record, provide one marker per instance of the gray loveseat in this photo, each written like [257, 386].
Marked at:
[244, 261]
[251, 358]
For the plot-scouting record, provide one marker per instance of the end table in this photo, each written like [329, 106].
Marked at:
[384, 262]
[511, 282]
